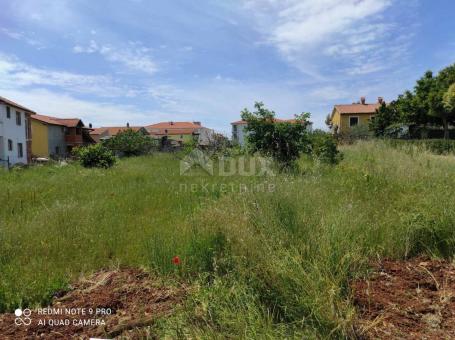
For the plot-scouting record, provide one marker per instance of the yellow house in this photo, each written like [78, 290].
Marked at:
[345, 117]
[48, 137]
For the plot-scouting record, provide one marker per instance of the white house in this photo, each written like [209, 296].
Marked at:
[204, 136]
[15, 133]
[239, 133]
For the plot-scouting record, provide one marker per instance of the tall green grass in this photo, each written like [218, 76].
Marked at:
[59, 222]
[267, 264]
[298, 248]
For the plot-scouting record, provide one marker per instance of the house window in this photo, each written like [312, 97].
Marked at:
[10, 145]
[18, 118]
[8, 112]
[353, 121]
[20, 151]
[78, 131]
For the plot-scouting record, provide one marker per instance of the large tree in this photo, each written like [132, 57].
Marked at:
[283, 141]
[130, 143]
[385, 116]
[449, 99]
[442, 84]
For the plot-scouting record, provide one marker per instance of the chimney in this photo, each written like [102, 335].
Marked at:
[197, 123]
[362, 100]
[380, 100]
[127, 125]
[90, 125]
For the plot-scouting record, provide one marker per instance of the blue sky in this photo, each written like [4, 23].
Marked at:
[138, 61]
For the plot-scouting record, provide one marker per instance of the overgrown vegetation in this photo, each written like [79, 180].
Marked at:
[430, 103]
[130, 143]
[435, 146]
[260, 264]
[286, 141]
[324, 147]
[94, 156]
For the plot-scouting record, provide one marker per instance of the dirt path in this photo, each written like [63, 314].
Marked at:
[106, 305]
[407, 300]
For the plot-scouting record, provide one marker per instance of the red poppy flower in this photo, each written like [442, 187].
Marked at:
[176, 260]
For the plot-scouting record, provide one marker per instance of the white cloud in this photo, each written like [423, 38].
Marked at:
[301, 23]
[14, 74]
[134, 57]
[22, 36]
[328, 93]
[54, 15]
[311, 33]
[99, 113]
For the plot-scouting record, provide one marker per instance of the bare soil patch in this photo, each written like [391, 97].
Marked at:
[412, 299]
[121, 303]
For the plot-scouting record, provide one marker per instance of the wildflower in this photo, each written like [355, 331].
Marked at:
[176, 260]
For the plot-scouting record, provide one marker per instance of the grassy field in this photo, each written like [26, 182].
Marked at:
[263, 263]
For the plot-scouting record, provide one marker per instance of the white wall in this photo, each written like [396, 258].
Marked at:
[241, 134]
[10, 130]
[205, 136]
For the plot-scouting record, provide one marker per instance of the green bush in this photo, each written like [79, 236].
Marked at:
[95, 156]
[359, 132]
[441, 146]
[324, 147]
[435, 146]
[130, 143]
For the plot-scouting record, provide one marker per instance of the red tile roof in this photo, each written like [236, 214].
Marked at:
[68, 122]
[11, 103]
[357, 108]
[46, 119]
[113, 130]
[173, 128]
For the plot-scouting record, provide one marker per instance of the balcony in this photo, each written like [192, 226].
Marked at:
[74, 140]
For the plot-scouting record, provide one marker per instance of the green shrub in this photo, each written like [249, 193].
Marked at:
[359, 132]
[441, 146]
[95, 156]
[324, 147]
[130, 143]
[435, 146]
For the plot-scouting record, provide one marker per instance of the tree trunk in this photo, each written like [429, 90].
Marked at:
[445, 123]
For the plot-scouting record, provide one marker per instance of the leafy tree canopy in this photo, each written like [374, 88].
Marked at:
[130, 143]
[426, 104]
[283, 141]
